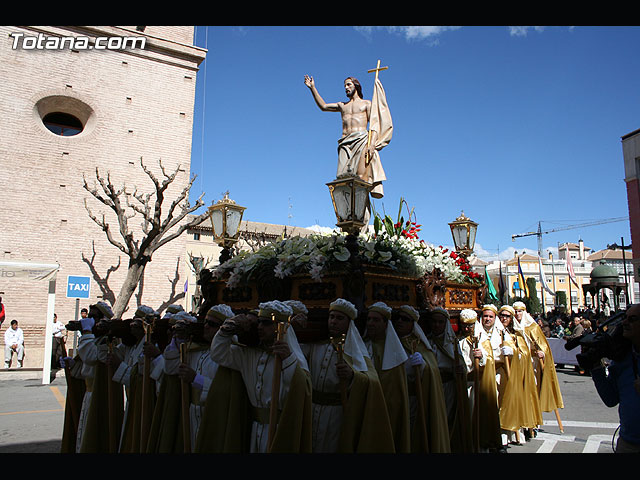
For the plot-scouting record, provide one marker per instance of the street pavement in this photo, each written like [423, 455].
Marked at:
[32, 414]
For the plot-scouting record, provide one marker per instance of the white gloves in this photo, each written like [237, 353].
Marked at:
[66, 362]
[416, 360]
[87, 323]
[508, 351]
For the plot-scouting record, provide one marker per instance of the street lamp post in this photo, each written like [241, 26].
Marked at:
[226, 216]
[463, 231]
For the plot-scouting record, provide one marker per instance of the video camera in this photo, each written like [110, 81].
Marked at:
[605, 342]
[193, 331]
[113, 328]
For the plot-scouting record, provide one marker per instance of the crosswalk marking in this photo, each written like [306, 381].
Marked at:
[565, 424]
[594, 441]
[549, 441]
[592, 444]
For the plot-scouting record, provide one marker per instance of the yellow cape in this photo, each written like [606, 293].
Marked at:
[488, 413]
[548, 385]
[520, 404]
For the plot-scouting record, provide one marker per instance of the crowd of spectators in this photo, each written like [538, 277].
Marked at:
[558, 323]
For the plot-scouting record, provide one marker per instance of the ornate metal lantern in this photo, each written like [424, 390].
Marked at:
[350, 197]
[463, 231]
[226, 216]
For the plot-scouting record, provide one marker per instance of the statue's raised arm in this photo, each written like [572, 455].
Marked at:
[324, 106]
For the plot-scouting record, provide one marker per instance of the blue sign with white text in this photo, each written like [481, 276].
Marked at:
[78, 287]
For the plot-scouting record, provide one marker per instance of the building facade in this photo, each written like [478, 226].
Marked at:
[90, 104]
[555, 272]
[631, 157]
[621, 261]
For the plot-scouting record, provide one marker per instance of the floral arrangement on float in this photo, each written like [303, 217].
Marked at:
[394, 245]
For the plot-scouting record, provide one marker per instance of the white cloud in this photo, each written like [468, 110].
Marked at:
[523, 31]
[321, 229]
[508, 253]
[411, 32]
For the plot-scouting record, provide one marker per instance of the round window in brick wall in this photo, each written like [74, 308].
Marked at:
[62, 123]
[65, 116]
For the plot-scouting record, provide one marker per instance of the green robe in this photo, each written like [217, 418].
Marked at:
[76, 388]
[131, 432]
[396, 396]
[165, 435]
[166, 430]
[103, 425]
[435, 407]
[293, 433]
[460, 430]
[365, 425]
[226, 421]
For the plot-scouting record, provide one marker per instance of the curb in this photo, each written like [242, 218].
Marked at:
[27, 374]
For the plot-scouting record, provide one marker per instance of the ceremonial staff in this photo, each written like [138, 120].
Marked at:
[281, 328]
[186, 401]
[145, 420]
[476, 395]
[420, 400]
[338, 345]
[366, 154]
[113, 438]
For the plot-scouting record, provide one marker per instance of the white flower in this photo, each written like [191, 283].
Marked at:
[342, 254]
[385, 256]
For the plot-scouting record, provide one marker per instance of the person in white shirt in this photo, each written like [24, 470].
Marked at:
[257, 364]
[13, 343]
[59, 336]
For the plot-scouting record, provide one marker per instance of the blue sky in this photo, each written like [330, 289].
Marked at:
[512, 125]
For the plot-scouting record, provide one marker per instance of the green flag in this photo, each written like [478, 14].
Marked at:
[491, 290]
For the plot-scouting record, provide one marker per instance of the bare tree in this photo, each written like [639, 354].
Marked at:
[103, 282]
[156, 231]
[196, 264]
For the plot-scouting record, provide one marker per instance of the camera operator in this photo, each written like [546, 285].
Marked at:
[619, 384]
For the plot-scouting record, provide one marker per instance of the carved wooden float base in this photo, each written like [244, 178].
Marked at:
[363, 289]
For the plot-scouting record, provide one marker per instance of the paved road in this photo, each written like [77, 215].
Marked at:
[31, 416]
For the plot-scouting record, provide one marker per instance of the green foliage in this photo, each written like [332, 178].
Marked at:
[561, 298]
[534, 302]
[400, 228]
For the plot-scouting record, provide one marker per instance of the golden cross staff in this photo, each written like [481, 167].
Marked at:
[338, 344]
[366, 154]
[281, 328]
